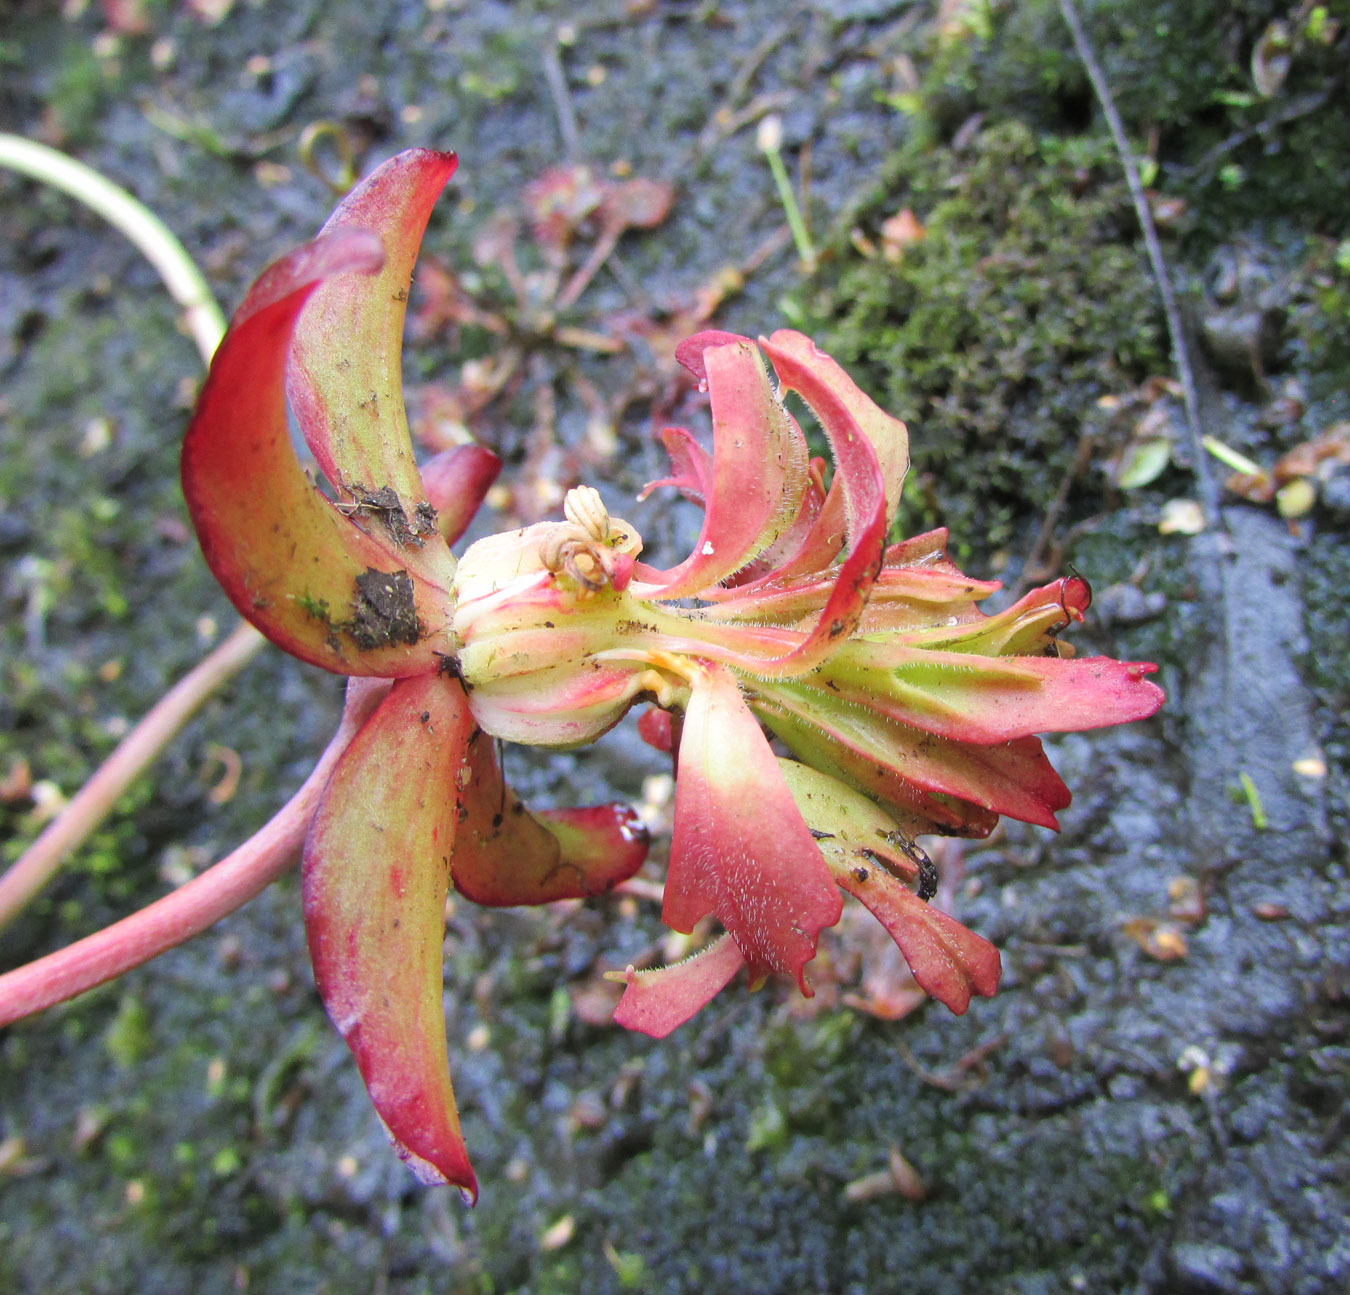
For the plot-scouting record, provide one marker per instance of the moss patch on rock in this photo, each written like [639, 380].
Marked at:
[1028, 298]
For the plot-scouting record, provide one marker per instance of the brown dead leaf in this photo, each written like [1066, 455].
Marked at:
[901, 231]
[1160, 938]
[17, 784]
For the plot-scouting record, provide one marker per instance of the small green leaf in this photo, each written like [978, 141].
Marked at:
[1144, 462]
[768, 1128]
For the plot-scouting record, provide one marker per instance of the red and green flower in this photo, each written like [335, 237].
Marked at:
[827, 697]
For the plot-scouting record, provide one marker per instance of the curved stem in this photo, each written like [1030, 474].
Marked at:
[151, 236]
[91, 803]
[190, 909]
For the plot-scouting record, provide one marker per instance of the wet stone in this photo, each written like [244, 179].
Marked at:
[1207, 1270]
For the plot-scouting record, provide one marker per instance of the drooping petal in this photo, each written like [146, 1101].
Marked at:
[376, 874]
[657, 1001]
[740, 849]
[949, 961]
[916, 771]
[847, 828]
[506, 855]
[864, 852]
[346, 373]
[456, 481]
[311, 579]
[759, 471]
[988, 700]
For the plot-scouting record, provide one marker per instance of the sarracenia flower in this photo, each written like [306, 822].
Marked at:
[903, 709]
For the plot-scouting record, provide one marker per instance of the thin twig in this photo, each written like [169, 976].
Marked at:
[562, 102]
[1285, 116]
[1209, 492]
[1031, 569]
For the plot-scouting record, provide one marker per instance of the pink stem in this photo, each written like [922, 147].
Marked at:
[190, 909]
[600, 253]
[90, 805]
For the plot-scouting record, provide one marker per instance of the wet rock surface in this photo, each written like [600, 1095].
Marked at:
[1121, 1117]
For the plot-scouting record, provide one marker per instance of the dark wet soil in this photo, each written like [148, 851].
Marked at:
[1113, 1120]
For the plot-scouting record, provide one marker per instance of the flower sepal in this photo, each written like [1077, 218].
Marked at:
[871, 859]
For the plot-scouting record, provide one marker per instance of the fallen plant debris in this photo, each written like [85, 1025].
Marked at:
[569, 220]
[1293, 482]
[905, 709]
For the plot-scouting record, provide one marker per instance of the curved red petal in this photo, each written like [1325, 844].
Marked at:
[740, 849]
[506, 855]
[690, 463]
[843, 408]
[837, 519]
[346, 372]
[656, 1002]
[910, 768]
[819, 546]
[871, 454]
[797, 544]
[690, 352]
[759, 473]
[376, 872]
[949, 961]
[456, 481]
[307, 576]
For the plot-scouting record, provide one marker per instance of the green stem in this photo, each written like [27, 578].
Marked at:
[150, 235]
[801, 238]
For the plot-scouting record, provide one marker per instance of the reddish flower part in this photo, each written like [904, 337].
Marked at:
[903, 708]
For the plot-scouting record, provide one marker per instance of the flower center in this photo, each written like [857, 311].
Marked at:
[591, 547]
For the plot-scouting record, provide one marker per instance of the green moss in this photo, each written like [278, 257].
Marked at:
[129, 1037]
[1319, 320]
[1028, 299]
[1232, 153]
